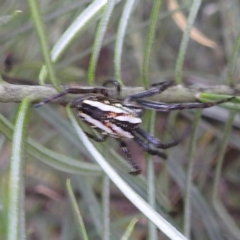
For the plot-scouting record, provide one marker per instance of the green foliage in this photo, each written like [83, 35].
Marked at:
[191, 190]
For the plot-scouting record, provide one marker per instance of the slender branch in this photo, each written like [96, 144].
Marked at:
[179, 93]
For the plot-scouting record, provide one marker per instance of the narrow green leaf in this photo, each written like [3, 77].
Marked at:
[16, 214]
[234, 104]
[223, 214]
[106, 208]
[49, 157]
[42, 35]
[91, 201]
[76, 210]
[138, 201]
[152, 230]
[150, 40]
[188, 194]
[120, 38]
[81, 22]
[129, 229]
[233, 60]
[99, 39]
[206, 97]
[111, 39]
[201, 206]
[185, 39]
[6, 19]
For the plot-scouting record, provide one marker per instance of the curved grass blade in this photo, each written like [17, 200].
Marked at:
[16, 214]
[74, 30]
[50, 157]
[223, 214]
[129, 229]
[76, 210]
[42, 35]
[138, 201]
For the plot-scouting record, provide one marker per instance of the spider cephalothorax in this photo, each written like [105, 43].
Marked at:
[121, 119]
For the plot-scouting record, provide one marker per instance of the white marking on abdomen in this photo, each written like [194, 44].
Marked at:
[129, 119]
[121, 133]
[96, 123]
[105, 107]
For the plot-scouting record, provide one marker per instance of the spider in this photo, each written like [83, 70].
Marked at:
[121, 119]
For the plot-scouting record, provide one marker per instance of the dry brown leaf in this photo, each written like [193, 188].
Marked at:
[181, 21]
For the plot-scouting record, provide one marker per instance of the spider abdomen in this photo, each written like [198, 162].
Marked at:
[109, 117]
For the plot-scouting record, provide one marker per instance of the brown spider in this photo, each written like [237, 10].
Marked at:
[121, 119]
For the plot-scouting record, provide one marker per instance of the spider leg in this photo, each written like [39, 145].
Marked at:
[155, 141]
[95, 138]
[168, 82]
[114, 82]
[156, 90]
[148, 149]
[73, 90]
[164, 107]
[135, 169]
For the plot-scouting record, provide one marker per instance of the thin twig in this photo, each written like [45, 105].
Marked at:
[179, 93]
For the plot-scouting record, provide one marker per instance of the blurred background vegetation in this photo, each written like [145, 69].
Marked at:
[213, 164]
